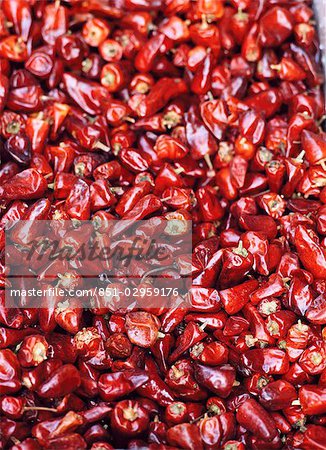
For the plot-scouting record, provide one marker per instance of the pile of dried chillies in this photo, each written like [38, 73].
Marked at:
[204, 110]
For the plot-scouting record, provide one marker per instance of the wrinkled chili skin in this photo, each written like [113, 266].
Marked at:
[206, 110]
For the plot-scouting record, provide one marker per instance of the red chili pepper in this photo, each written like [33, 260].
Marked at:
[277, 395]
[300, 296]
[7, 171]
[185, 435]
[274, 286]
[207, 35]
[145, 58]
[311, 254]
[142, 328]
[297, 124]
[211, 354]
[312, 399]
[18, 147]
[59, 112]
[236, 264]
[78, 203]
[180, 378]
[278, 323]
[61, 157]
[217, 379]
[213, 321]
[235, 325]
[29, 184]
[267, 360]
[215, 116]
[129, 418]
[167, 177]
[32, 351]
[259, 328]
[201, 81]
[210, 271]
[251, 46]
[176, 413]
[156, 389]
[169, 148]
[209, 204]
[316, 311]
[161, 350]
[115, 385]
[114, 75]
[163, 91]
[10, 372]
[235, 298]
[191, 336]
[88, 95]
[57, 385]
[200, 140]
[255, 418]
[313, 437]
[312, 359]
[217, 430]
[146, 206]
[72, 440]
[233, 445]
[255, 244]
[101, 195]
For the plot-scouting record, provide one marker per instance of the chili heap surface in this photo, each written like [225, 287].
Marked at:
[206, 110]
